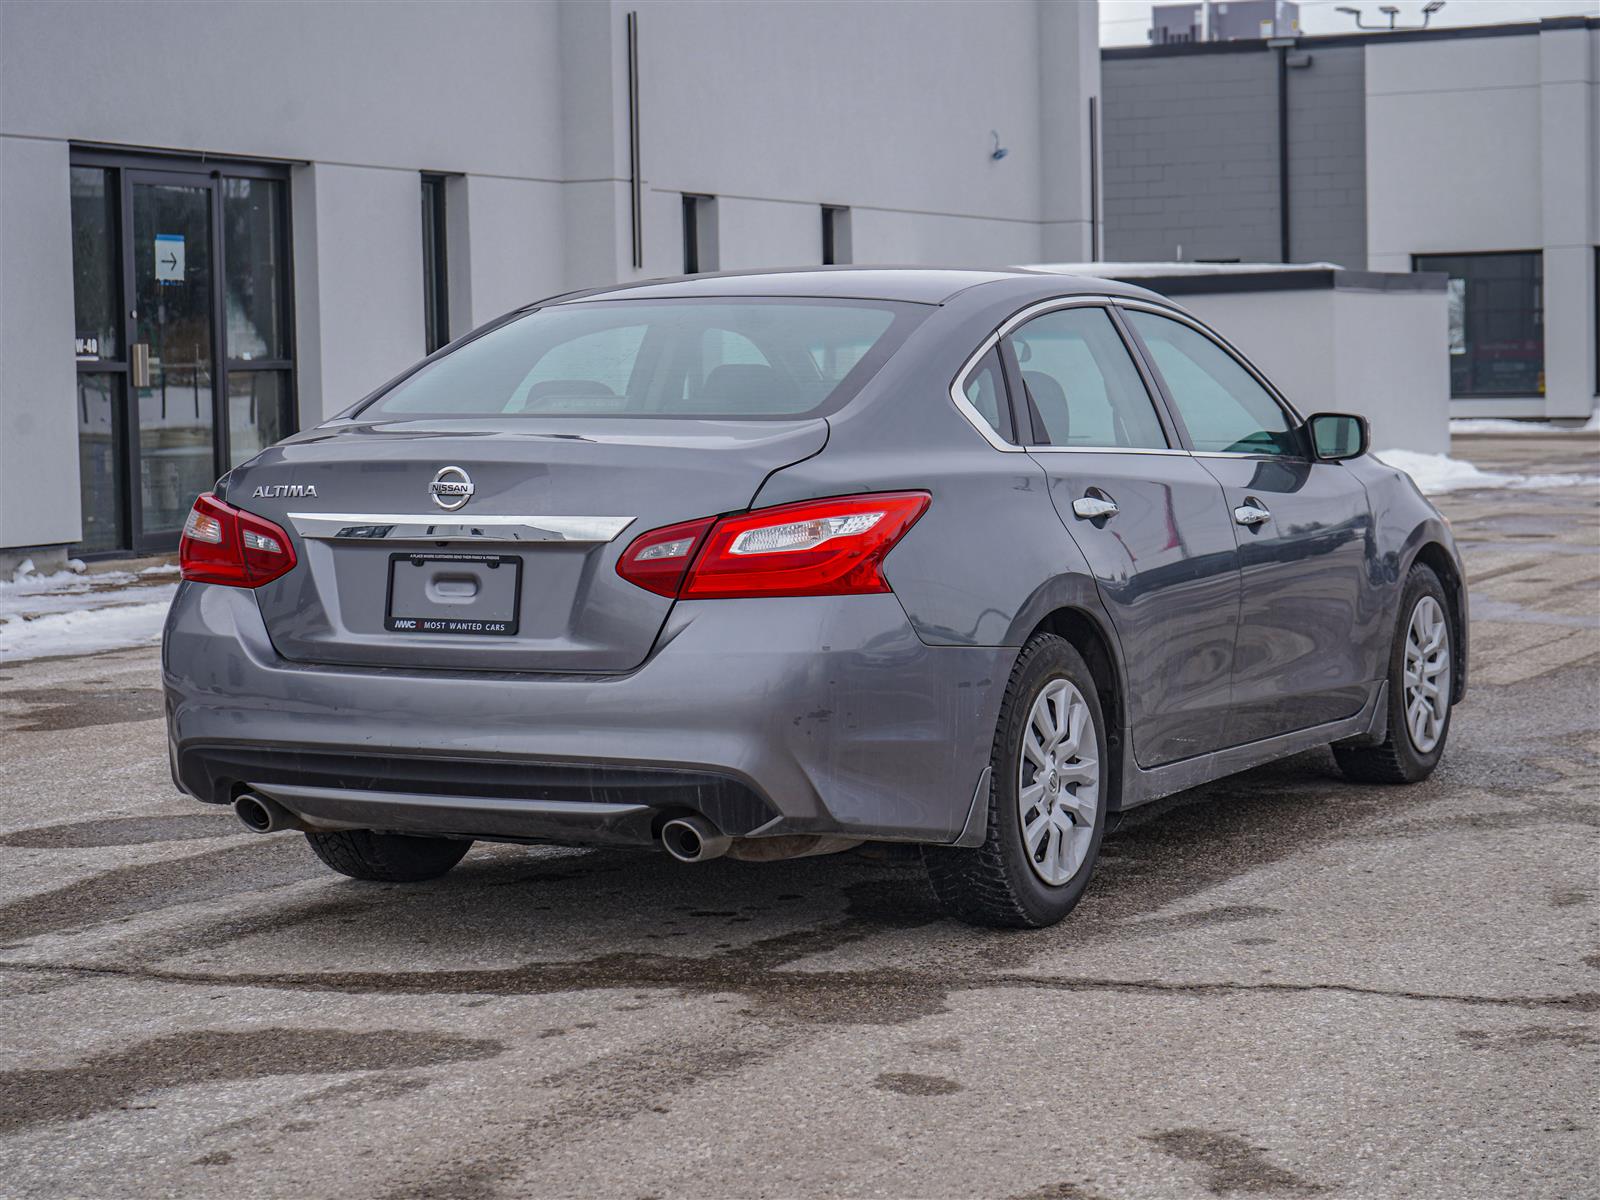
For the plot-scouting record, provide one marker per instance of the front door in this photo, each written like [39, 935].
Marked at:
[1148, 518]
[174, 372]
[183, 336]
[1310, 607]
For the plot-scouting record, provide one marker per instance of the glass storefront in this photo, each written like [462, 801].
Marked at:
[183, 336]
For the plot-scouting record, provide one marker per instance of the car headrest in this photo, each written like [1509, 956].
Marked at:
[1050, 402]
[743, 387]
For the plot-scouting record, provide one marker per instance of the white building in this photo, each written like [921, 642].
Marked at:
[1472, 152]
[219, 223]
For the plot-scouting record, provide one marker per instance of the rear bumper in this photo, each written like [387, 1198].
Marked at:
[805, 715]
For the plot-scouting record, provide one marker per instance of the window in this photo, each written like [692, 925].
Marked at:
[1496, 321]
[435, 267]
[835, 235]
[985, 390]
[664, 358]
[1219, 402]
[1081, 384]
[255, 257]
[699, 234]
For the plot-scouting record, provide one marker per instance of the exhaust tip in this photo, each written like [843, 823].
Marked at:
[693, 839]
[253, 814]
[259, 814]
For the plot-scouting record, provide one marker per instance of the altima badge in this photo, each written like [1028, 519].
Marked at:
[272, 491]
[451, 488]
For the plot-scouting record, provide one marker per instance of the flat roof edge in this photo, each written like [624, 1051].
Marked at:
[1257, 45]
[1327, 279]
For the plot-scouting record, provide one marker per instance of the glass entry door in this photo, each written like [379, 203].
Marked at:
[173, 362]
[183, 338]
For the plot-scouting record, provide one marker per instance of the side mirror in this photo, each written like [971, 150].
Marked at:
[1338, 436]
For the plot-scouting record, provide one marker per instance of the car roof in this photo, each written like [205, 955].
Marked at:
[921, 285]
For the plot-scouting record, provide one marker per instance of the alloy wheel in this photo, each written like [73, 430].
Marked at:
[1427, 674]
[1058, 782]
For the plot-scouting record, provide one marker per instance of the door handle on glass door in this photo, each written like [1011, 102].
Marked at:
[1250, 513]
[1090, 507]
[139, 361]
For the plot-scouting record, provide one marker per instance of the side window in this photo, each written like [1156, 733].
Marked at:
[1082, 387]
[1221, 404]
[985, 390]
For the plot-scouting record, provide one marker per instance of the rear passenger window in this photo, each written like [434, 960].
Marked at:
[985, 390]
[1082, 387]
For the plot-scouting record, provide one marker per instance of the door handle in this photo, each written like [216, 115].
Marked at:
[1090, 507]
[1250, 513]
[139, 363]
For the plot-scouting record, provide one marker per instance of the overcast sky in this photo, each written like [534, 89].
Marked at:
[1127, 22]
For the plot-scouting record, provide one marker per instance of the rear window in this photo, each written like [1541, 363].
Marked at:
[742, 359]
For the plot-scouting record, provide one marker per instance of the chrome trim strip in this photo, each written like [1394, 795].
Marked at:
[973, 416]
[1010, 323]
[1108, 450]
[413, 527]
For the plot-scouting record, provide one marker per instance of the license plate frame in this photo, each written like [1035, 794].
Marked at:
[438, 622]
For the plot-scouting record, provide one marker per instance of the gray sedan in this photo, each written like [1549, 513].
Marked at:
[776, 564]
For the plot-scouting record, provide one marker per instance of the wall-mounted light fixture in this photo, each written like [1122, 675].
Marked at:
[999, 151]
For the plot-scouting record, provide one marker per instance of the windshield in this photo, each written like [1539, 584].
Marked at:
[746, 358]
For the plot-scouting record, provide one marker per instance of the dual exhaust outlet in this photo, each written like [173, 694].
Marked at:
[689, 839]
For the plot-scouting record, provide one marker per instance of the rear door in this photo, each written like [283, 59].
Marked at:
[1148, 518]
[1303, 529]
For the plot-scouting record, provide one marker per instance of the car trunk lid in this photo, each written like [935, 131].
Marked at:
[521, 575]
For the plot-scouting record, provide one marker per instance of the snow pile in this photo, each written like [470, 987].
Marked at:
[1498, 425]
[76, 612]
[1435, 473]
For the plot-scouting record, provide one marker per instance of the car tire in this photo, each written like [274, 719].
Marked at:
[1003, 883]
[1403, 757]
[387, 857]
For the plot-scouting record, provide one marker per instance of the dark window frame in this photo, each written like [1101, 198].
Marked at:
[1538, 313]
[831, 215]
[435, 263]
[695, 210]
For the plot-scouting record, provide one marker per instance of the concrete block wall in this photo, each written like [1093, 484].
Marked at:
[1328, 157]
[1190, 145]
[1191, 156]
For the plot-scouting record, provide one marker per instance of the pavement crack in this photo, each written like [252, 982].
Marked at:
[924, 992]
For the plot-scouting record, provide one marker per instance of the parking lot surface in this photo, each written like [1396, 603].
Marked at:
[1279, 985]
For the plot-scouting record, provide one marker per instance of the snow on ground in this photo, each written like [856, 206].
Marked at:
[78, 612]
[1497, 425]
[1436, 473]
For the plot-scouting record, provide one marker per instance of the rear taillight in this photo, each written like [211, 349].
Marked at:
[223, 544]
[833, 547]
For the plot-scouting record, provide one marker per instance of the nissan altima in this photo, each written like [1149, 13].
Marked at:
[770, 565]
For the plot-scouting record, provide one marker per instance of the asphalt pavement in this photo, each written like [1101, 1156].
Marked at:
[1281, 985]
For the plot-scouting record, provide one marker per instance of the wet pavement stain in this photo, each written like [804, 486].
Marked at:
[1058, 1191]
[50, 710]
[909, 1083]
[131, 890]
[48, 1095]
[1232, 1164]
[1530, 1036]
[124, 831]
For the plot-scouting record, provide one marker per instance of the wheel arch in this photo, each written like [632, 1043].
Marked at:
[1433, 555]
[1094, 642]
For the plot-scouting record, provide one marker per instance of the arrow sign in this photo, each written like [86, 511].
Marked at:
[169, 257]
